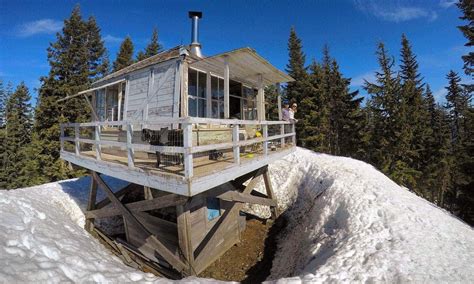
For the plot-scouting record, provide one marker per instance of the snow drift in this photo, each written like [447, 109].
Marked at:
[346, 222]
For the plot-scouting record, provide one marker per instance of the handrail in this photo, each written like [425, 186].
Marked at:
[181, 120]
[187, 150]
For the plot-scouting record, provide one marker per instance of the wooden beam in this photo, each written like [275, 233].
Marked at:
[130, 151]
[206, 246]
[184, 236]
[260, 99]
[120, 97]
[246, 198]
[147, 193]
[235, 141]
[151, 240]
[91, 204]
[277, 86]
[270, 193]
[139, 206]
[94, 114]
[184, 89]
[226, 88]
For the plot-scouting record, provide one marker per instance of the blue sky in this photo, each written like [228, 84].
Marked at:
[351, 28]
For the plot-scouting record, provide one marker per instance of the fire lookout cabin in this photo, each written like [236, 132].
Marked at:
[190, 134]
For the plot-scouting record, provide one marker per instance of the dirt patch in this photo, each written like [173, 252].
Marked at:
[249, 261]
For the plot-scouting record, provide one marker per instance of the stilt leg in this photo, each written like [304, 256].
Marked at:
[91, 203]
[270, 194]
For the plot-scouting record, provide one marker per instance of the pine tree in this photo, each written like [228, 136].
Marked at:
[3, 104]
[389, 140]
[346, 116]
[436, 157]
[153, 48]
[125, 55]
[461, 117]
[296, 91]
[467, 7]
[98, 58]
[76, 58]
[18, 136]
[415, 121]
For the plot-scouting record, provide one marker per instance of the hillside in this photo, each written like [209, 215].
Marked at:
[346, 222]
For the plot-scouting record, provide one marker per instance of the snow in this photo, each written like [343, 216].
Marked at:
[346, 222]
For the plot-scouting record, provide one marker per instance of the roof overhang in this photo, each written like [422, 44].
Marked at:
[245, 65]
[89, 91]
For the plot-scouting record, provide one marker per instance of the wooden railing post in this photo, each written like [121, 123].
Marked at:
[98, 150]
[235, 140]
[76, 139]
[187, 144]
[131, 162]
[293, 130]
[265, 137]
[282, 132]
[61, 126]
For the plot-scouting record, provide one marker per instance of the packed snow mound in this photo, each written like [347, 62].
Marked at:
[346, 222]
[349, 222]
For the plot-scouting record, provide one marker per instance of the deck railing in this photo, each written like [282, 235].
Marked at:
[269, 136]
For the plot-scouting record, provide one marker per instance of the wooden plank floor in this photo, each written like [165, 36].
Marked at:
[202, 165]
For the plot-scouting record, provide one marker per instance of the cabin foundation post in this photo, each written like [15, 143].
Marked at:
[91, 203]
[184, 236]
[270, 193]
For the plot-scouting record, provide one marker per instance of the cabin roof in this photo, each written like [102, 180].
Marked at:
[245, 65]
[160, 57]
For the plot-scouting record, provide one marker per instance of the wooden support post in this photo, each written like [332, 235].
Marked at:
[226, 88]
[147, 193]
[270, 193]
[280, 116]
[260, 99]
[94, 114]
[184, 236]
[187, 144]
[77, 145]
[120, 97]
[235, 140]
[61, 127]
[208, 95]
[131, 221]
[265, 137]
[130, 152]
[126, 95]
[98, 149]
[293, 130]
[184, 89]
[91, 204]
[282, 132]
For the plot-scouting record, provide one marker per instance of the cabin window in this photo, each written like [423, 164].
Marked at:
[100, 104]
[249, 103]
[217, 95]
[213, 208]
[235, 99]
[197, 88]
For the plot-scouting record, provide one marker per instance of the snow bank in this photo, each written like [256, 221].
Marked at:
[346, 222]
[349, 222]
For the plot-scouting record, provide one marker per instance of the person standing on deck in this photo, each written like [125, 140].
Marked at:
[291, 113]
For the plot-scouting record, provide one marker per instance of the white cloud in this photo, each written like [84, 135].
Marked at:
[43, 26]
[112, 39]
[359, 80]
[447, 3]
[395, 11]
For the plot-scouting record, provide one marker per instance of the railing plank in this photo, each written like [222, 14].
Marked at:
[188, 156]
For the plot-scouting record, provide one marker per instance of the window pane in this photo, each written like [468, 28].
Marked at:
[215, 109]
[235, 88]
[221, 89]
[192, 109]
[192, 82]
[221, 109]
[214, 87]
[202, 85]
[201, 108]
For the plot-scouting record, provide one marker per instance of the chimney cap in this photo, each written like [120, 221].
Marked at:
[195, 13]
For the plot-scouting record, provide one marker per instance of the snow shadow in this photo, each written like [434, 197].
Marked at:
[78, 189]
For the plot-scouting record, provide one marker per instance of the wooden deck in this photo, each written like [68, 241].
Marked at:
[192, 171]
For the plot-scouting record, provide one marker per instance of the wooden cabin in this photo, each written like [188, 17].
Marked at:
[190, 133]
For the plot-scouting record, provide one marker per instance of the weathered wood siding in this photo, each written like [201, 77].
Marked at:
[151, 92]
